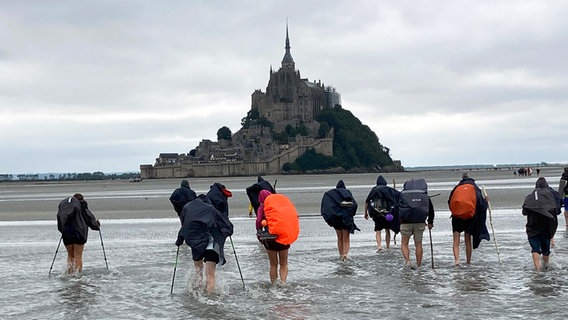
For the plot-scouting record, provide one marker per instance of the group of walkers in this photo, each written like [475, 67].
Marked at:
[205, 223]
[411, 211]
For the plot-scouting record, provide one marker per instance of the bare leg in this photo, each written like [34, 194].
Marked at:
[339, 243]
[283, 261]
[419, 253]
[74, 257]
[273, 259]
[405, 249]
[210, 267]
[387, 238]
[456, 247]
[545, 259]
[343, 243]
[566, 217]
[468, 247]
[536, 260]
[346, 243]
[379, 240]
[70, 258]
[78, 248]
[197, 282]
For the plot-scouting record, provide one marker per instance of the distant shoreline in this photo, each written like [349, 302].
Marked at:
[446, 168]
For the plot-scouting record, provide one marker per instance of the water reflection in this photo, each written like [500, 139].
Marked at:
[78, 296]
[471, 279]
[547, 284]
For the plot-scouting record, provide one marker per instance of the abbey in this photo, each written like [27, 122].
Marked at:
[290, 101]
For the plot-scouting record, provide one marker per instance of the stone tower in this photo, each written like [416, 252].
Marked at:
[290, 99]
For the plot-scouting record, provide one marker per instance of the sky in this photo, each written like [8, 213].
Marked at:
[107, 86]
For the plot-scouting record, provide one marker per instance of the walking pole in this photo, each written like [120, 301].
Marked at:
[491, 222]
[103, 246]
[56, 250]
[175, 267]
[431, 248]
[237, 259]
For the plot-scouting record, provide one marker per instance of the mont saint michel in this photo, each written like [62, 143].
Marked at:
[282, 125]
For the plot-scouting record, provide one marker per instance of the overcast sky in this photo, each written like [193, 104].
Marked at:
[108, 85]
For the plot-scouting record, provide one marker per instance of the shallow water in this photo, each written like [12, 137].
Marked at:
[141, 256]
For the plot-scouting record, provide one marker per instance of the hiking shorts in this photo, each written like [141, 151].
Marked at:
[381, 223]
[274, 246]
[210, 252]
[540, 244]
[413, 229]
[461, 225]
[68, 240]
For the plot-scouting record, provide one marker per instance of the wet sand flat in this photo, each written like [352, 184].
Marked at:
[25, 201]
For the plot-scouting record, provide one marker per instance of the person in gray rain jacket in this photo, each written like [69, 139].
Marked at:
[73, 221]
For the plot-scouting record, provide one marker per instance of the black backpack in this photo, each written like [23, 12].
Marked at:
[414, 203]
[380, 204]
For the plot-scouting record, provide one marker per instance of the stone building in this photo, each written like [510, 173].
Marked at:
[289, 100]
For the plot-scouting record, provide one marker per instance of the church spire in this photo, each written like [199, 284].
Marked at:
[287, 61]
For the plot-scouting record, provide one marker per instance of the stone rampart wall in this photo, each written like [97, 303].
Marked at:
[234, 168]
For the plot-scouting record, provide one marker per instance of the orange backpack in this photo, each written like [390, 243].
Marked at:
[282, 218]
[463, 201]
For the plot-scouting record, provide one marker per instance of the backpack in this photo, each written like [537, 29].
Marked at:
[380, 206]
[463, 201]
[282, 218]
[414, 203]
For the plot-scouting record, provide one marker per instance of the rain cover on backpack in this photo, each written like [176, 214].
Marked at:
[282, 218]
[414, 202]
[463, 200]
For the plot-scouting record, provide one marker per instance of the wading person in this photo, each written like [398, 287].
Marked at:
[380, 205]
[181, 196]
[204, 229]
[73, 221]
[338, 209]
[563, 192]
[414, 208]
[541, 206]
[277, 227]
[469, 215]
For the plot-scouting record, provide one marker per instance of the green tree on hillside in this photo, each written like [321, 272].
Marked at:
[224, 133]
[355, 145]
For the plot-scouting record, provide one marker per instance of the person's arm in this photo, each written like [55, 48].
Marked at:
[366, 208]
[179, 240]
[259, 216]
[90, 219]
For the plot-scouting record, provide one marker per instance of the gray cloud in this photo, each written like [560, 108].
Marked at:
[106, 85]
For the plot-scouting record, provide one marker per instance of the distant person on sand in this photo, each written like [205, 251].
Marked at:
[469, 214]
[563, 192]
[338, 207]
[205, 230]
[277, 227]
[541, 207]
[414, 209]
[181, 196]
[73, 221]
[380, 205]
